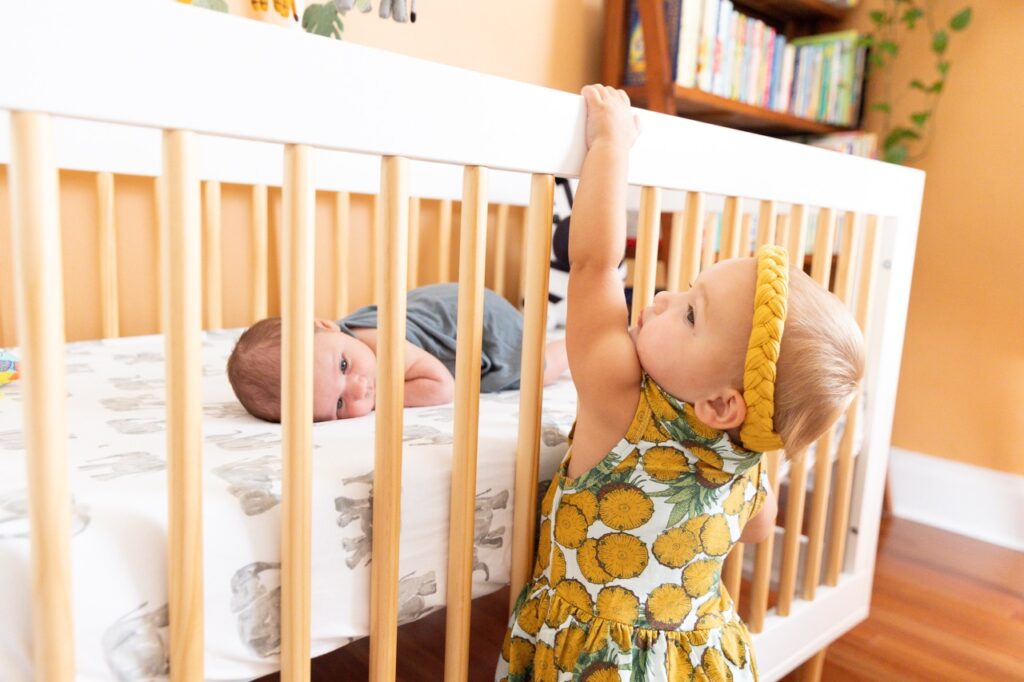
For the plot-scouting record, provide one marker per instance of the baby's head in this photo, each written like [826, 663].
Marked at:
[694, 344]
[344, 372]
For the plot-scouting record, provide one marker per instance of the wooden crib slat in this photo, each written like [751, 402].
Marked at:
[444, 241]
[472, 265]
[746, 230]
[342, 221]
[766, 220]
[798, 461]
[844, 469]
[782, 230]
[821, 268]
[162, 245]
[392, 242]
[258, 227]
[414, 242]
[675, 252]
[707, 256]
[645, 265]
[297, 259]
[184, 405]
[732, 572]
[694, 238]
[212, 254]
[372, 243]
[763, 561]
[824, 243]
[731, 219]
[39, 296]
[501, 249]
[535, 289]
[797, 235]
[109, 313]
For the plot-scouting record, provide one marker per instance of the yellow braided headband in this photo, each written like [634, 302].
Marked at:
[770, 296]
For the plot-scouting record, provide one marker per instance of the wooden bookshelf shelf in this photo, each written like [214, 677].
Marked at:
[703, 106]
[796, 9]
[796, 17]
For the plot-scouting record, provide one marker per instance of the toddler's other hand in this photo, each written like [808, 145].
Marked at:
[609, 117]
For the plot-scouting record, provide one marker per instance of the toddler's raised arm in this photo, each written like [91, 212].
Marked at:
[602, 356]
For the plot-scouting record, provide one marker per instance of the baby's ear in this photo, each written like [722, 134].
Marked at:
[723, 411]
[328, 325]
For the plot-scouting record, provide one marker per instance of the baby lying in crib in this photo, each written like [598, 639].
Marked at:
[345, 359]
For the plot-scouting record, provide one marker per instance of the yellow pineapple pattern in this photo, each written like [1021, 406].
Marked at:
[627, 580]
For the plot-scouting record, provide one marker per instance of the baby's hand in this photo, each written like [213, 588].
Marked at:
[609, 117]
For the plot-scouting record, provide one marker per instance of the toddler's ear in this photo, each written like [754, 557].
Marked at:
[727, 410]
[328, 325]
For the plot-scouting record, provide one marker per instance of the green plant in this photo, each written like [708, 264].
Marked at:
[891, 24]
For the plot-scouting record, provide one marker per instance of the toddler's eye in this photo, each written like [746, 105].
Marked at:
[344, 365]
[689, 314]
[341, 404]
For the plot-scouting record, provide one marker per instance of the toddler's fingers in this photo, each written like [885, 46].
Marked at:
[623, 96]
[636, 122]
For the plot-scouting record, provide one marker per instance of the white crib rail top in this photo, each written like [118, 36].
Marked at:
[226, 76]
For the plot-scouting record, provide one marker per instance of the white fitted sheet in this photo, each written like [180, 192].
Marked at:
[117, 450]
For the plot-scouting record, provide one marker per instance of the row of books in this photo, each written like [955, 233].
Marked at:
[718, 49]
[857, 143]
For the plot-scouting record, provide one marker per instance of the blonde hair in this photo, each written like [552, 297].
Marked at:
[820, 366]
[254, 369]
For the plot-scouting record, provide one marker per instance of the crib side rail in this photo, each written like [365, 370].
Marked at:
[457, 112]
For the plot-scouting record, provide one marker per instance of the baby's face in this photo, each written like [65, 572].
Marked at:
[693, 343]
[344, 375]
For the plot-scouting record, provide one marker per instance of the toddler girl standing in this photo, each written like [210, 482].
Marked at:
[635, 527]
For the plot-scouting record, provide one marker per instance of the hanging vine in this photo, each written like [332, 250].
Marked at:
[892, 24]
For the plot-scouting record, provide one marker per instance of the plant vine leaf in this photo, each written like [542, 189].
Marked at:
[943, 67]
[879, 17]
[911, 16]
[939, 41]
[961, 19]
[882, 106]
[896, 154]
[919, 85]
[890, 47]
[919, 118]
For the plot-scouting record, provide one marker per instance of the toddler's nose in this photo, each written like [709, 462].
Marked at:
[661, 300]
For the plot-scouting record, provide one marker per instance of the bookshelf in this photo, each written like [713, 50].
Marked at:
[660, 93]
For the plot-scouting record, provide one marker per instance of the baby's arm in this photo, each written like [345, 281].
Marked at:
[427, 380]
[602, 356]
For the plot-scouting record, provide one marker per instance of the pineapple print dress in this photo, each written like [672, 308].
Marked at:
[627, 584]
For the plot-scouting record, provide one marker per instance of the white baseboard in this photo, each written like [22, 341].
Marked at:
[962, 498]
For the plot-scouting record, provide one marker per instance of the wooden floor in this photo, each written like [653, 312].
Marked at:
[945, 607]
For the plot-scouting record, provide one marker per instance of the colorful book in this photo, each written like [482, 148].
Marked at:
[776, 76]
[739, 30]
[636, 59]
[721, 46]
[705, 51]
[786, 82]
[689, 38]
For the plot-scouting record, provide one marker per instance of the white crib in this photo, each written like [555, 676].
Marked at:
[407, 127]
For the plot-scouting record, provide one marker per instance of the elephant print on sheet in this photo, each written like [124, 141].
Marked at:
[411, 590]
[122, 464]
[256, 601]
[14, 515]
[483, 534]
[236, 441]
[135, 646]
[255, 482]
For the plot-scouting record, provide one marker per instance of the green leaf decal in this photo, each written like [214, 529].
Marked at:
[323, 20]
[920, 117]
[939, 41]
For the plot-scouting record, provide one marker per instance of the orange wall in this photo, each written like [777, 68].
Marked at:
[961, 393]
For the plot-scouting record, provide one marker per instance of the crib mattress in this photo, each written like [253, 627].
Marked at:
[117, 451]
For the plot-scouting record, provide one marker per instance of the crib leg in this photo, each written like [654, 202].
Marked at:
[811, 670]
